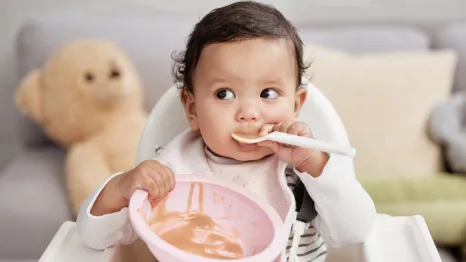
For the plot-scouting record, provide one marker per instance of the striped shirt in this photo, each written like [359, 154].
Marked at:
[311, 245]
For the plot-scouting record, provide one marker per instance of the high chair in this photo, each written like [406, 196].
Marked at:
[401, 239]
[393, 239]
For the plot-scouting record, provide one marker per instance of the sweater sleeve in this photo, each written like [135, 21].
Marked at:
[101, 232]
[346, 213]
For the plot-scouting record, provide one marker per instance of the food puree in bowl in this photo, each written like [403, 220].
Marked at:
[194, 231]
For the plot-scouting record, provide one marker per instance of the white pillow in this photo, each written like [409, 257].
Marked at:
[384, 100]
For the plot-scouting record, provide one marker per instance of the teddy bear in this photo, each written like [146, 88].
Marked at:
[88, 98]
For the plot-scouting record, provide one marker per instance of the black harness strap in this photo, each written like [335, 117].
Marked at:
[305, 205]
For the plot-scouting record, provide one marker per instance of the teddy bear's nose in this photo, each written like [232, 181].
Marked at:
[89, 77]
[115, 74]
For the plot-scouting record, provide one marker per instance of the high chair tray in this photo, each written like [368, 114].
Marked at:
[402, 239]
[66, 246]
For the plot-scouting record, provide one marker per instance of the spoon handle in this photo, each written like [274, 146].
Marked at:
[312, 144]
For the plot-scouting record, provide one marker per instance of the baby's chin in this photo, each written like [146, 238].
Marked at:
[242, 152]
[248, 157]
[251, 155]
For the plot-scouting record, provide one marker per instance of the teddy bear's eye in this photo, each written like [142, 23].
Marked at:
[89, 77]
[115, 73]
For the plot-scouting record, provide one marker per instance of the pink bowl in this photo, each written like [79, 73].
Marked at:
[259, 227]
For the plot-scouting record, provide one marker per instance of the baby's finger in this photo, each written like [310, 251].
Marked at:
[165, 185]
[159, 180]
[168, 180]
[150, 186]
[298, 129]
[171, 181]
[277, 127]
[265, 129]
[284, 127]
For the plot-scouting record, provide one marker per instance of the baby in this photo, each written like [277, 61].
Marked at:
[241, 73]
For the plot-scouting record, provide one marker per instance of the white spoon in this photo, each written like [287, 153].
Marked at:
[297, 141]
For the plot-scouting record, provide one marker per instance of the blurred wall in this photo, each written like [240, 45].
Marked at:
[14, 12]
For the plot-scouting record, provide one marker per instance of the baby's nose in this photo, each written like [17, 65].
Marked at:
[248, 114]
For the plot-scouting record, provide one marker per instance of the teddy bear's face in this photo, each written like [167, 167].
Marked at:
[98, 73]
[82, 86]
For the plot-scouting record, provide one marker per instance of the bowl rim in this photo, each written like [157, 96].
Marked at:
[147, 235]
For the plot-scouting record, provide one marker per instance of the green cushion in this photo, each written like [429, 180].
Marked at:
[405, 189]
[440, 199]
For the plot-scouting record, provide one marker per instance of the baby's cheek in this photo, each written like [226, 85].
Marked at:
[280, 113]
[214, 137]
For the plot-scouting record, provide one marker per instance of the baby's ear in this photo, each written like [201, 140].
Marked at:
[301, 95]
[29, 96]
[187, 98]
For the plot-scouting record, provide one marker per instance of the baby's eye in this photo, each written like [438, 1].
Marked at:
[225, 94]
[269, 93]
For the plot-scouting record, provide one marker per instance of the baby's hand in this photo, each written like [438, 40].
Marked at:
[303, 159]
[150, 175]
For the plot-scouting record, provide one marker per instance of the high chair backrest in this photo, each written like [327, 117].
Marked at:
[167, 119]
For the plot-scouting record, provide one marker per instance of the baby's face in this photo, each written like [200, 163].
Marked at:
[239, 87]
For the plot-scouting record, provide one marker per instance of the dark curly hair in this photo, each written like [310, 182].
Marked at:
[235, 22]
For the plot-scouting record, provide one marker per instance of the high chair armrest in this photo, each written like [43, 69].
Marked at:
[66, 246]
[402, 239]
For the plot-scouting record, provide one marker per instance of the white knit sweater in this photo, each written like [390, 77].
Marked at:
[345, 212]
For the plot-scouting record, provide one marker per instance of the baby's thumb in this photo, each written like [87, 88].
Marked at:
[155, 202]
[265, 129]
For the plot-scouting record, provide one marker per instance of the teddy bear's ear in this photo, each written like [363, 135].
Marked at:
[28, 96]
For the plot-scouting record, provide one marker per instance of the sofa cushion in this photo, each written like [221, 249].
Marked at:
[453, 36]
[384, 100]
[439, 198]
[34, 203]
